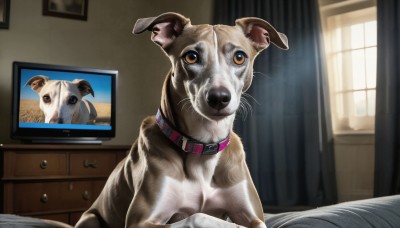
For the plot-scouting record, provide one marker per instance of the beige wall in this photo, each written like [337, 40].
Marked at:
[103, 41]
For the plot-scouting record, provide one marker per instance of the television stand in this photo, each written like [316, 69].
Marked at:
[55, 181]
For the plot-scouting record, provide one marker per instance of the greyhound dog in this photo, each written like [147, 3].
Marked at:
[61, 101]
[187, 168]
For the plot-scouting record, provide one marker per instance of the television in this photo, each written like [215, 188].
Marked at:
[63, 104]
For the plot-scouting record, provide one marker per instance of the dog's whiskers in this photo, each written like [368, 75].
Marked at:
[251, 97]
[245, 106]
[185, 103]
[183, 100]
[261, 73]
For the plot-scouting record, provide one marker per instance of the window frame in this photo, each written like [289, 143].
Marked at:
[347, 123]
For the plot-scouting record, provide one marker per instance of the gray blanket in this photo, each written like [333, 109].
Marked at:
[11, 221]
[383, 212]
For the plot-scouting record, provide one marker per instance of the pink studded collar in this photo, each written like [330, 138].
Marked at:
[186, 143]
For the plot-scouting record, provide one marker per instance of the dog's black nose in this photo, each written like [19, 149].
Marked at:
[218, 98]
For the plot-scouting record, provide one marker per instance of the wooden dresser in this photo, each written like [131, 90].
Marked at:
[55, 182]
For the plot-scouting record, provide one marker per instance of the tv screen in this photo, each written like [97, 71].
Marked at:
[60, 104]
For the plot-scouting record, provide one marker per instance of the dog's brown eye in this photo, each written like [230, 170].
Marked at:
[239, 57]
[191, 57]
[72, 100]
[46, 99]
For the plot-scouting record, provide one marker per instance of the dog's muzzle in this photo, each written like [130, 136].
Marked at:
[218, 98]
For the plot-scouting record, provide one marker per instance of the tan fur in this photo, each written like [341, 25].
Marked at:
[158, 184]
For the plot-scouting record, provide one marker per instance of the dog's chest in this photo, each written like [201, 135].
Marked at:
[182, 198]
[188, 197]
[197, 190]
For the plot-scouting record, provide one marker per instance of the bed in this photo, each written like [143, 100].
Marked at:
[383, 212]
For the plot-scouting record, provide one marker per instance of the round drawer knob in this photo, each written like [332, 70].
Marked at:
[86, 195]
[90, 164]
[44, 198]
[44, 164]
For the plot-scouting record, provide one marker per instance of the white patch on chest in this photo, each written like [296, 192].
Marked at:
[189, 197]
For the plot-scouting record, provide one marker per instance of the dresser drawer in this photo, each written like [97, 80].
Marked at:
[36, 164]
[54, 181]
[92, 164]
[48, 196]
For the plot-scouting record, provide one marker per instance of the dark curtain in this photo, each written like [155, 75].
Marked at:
[387, 122]
[287, 135]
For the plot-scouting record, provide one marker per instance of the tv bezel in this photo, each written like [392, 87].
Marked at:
[46, 135]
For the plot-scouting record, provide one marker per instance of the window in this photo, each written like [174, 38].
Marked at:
[350, 40]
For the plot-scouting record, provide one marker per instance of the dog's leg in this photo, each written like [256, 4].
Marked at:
[251, 211]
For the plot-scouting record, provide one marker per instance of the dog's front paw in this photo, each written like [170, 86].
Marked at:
[257, 224]
[203, 220]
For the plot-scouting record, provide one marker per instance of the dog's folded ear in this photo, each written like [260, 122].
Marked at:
[37, 82]
[165, 27]
[262, 33]
[84, 87]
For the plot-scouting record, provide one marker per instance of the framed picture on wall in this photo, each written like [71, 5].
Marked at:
[74, 9]
[4, 14]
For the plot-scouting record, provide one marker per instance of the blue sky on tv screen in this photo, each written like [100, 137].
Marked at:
[101, 84]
